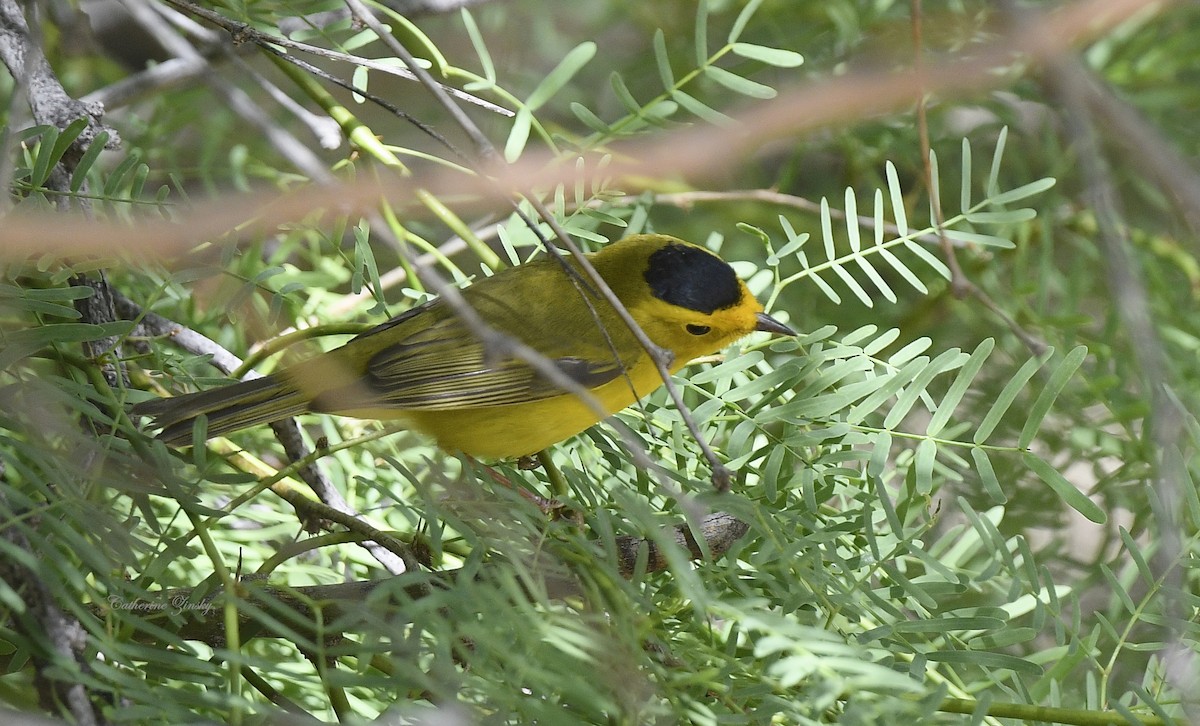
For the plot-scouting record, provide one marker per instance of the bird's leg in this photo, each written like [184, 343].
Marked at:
[549, 507]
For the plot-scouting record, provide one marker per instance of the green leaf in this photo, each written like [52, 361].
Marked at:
[964, 200]
[1115, 588]
[603, 216]
[68, 137]
[360, 80]
[88, 160]
[852, 228]
[897, 197]
[589, 119]
[825, 288]
[1135, 553]
[22, 343]
[1054, 386]
[771, 56]
[267, 273]
[946, 360]
[139, 181]
[909, 351]
[737, 84]
[854, 286]
[364, 37]
[880, 284]
[561, 75]
[46, 301]
[1008, 216]
[986, 240]
[813, 407]
[935, 184]
[880, 452]
[903, 270]
[928, 258]
[743, 18]
[987, 476]
[485, 58]
[993, 183]
[942, 625]
[699, 109]
[827, 230]
[1022, 192]
[885, 499]
[623, 95]
[795, 240]
[1067, 491]
[660, 110]
[925, 458]
[985, 660]
[519, 135]
[851, 211]
[1007, 396]
[881, 341]
[364, 259]
[957, 389]
[43, 162]
[410, 35]
[890, 386]
[701, 33]
[116, 178]
[664, 63]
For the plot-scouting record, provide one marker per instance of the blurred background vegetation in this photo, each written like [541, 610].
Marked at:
[966, 488]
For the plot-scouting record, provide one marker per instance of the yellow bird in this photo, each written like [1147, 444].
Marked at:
[427, 368]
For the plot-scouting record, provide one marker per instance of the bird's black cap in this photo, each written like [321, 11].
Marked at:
[692, 278]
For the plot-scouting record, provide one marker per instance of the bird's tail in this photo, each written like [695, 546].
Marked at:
[228, 408]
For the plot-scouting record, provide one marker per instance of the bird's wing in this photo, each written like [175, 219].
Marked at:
[442, 365]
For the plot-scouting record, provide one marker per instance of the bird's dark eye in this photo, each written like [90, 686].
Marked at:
[698, 329]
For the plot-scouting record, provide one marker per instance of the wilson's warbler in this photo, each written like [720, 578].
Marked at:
[427, 368]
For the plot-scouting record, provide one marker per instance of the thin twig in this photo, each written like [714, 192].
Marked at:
[407, 8]
[288, 146]
[242, 32]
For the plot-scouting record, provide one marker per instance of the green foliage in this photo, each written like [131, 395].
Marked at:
[942, 518]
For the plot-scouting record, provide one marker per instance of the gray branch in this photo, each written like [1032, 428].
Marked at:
[49, 101]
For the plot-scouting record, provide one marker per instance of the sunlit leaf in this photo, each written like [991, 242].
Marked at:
[561, 75]
[738, 84]
[771, 56]
[1045, 400]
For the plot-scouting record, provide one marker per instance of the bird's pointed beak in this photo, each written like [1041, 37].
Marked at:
[768, 324]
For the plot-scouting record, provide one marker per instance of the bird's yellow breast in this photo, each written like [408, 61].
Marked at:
[510, 431]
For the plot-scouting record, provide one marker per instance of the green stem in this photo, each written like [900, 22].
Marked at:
[558, 483]
[1048, 714]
